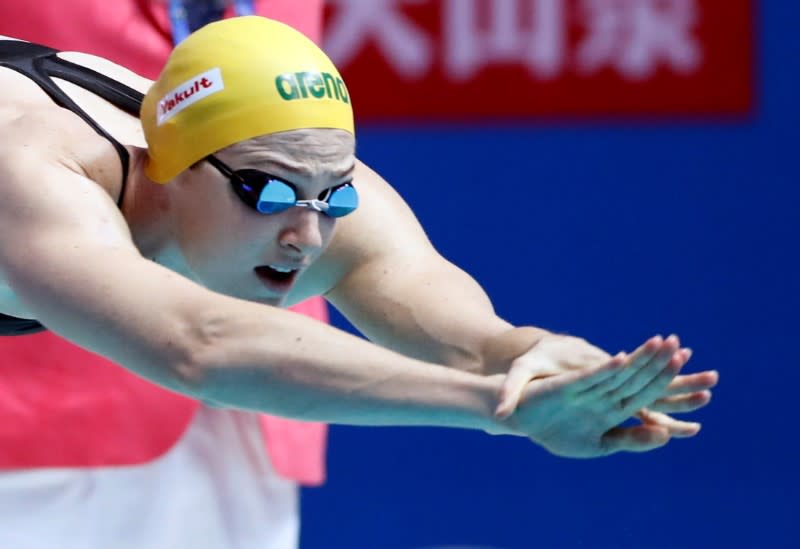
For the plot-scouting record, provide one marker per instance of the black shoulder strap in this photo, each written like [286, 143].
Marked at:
[40, 63]
[116, 93]
[13, 326]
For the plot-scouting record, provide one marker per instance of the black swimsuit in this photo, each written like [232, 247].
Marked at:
[41, 64]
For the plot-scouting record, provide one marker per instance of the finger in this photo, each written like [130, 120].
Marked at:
[666, 359]
[580, 380]
[681, 403]
[511, 391]
[651, 392]
[693, 383]
[640, 438]
[676, 428]
[637, 360]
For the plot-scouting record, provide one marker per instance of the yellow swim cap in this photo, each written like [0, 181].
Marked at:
[234, 80]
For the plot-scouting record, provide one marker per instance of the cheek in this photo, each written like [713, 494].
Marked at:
[327, 228]
[210, 230]
[201, 224]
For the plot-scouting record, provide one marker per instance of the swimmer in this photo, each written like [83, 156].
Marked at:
[166, 225]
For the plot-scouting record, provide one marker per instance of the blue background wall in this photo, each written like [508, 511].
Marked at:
[612, 231]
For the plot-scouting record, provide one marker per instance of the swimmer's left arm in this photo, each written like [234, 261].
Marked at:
[400, 292]
[391, 283]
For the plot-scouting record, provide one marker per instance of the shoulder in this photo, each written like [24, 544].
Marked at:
[46, 137]
[109, 69]
[42, 179]
[101, 65]
[48, 208]
[46, 155]
[33, 128]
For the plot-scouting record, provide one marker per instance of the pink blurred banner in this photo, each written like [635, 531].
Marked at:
[62, 406]
[450, 59]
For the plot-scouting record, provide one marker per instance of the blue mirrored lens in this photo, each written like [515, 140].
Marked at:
[342, 201]
[275, 197]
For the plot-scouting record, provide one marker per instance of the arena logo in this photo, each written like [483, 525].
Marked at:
[319, 84]
[188, 93]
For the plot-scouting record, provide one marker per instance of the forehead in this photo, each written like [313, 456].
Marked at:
[310, 153]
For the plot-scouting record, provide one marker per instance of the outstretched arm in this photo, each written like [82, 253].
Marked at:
[66, 253]
[79, 273]
[402, 294]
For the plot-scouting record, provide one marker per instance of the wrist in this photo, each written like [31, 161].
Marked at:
[497, 425]
[451, 398]
[499, 351]
[488, 388]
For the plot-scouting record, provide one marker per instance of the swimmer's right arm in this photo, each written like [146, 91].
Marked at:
[66, 252]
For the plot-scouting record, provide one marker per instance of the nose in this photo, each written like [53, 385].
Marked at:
[303, 231]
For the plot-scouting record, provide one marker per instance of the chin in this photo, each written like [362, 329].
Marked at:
[246, 290]
[254, 296]
[274, 301]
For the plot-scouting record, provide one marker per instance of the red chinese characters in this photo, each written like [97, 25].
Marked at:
[456, 58]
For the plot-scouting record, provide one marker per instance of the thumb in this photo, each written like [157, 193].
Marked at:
[511, 391]
[641, 438]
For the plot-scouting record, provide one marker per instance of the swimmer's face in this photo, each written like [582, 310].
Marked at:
[233, 249]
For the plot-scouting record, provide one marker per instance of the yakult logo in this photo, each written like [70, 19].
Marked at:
[189, 93]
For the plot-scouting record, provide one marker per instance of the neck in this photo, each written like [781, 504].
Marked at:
[149, 211]
[145, 207]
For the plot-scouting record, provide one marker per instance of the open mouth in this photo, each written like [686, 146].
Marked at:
[276, 276]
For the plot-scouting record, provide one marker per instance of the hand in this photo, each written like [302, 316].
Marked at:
[577, 413]
[554, 354]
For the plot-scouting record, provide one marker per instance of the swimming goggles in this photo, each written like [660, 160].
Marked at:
[269, 194]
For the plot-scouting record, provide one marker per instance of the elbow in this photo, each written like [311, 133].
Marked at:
[462, 358]
[189, 377]
[195, 354]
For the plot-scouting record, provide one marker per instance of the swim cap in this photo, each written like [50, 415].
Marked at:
[234, 80]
